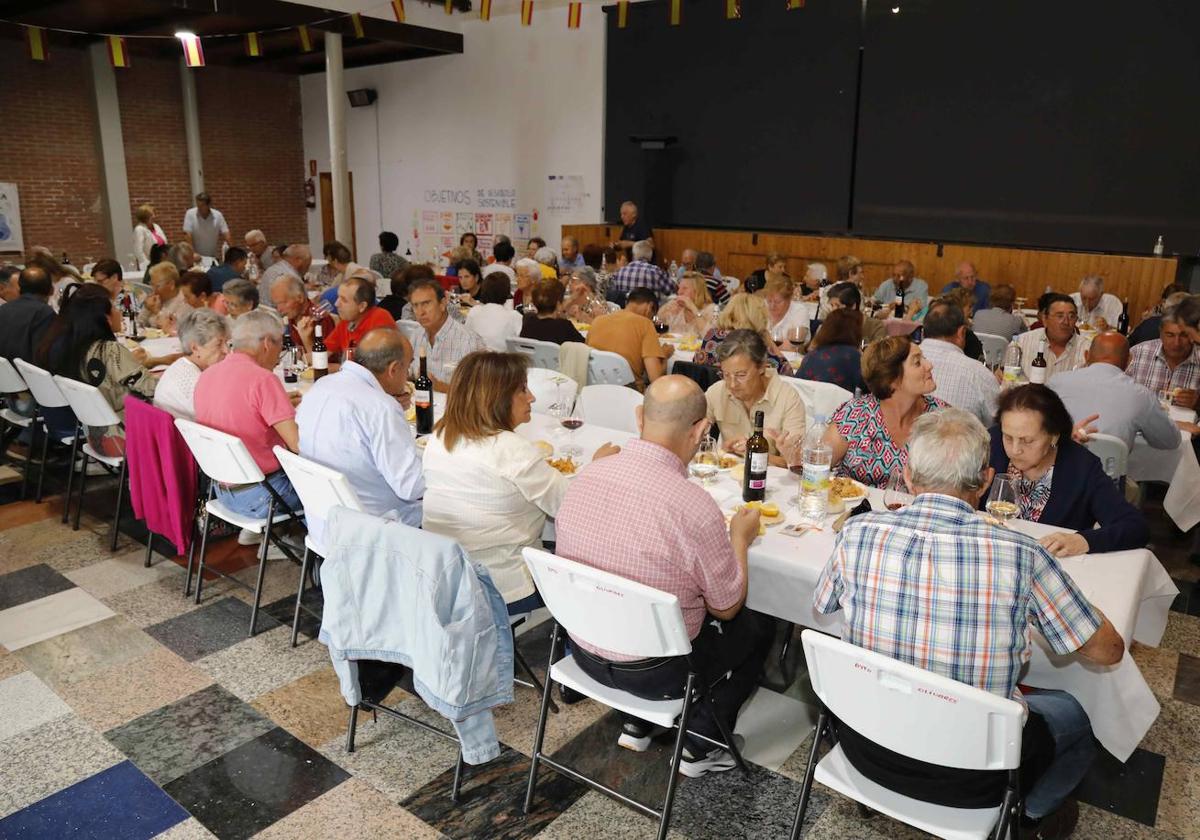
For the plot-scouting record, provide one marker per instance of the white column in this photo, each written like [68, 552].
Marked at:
[114, 179]
[335, 95]
[191, 127]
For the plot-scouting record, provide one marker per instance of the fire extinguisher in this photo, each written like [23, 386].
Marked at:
[310, 194]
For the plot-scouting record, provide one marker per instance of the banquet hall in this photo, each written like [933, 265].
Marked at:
[533, 418]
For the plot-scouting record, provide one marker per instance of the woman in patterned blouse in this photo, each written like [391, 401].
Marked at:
[869, 434]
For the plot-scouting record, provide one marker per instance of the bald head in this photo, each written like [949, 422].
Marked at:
[1109, 348]
[670, 415]
[381, 347]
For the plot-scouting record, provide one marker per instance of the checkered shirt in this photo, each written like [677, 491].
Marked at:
[936, 586]
[1148, 366]
[642, 274]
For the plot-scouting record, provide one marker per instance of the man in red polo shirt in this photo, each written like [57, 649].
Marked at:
[358, 313]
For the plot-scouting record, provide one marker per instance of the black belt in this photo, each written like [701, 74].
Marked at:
[635, 665]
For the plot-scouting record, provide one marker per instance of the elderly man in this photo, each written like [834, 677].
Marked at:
[204, 336]
[258, 249]
[569, 258]
[1064, 346]
[443, 340]
[1102, 388]
[961, 381]
[232, 268]
[1147, 329]
[1096, 306]
[633, 227]
[292, 302]
[904, 283]
[205, 229]
[503, 253]
[693, 558]
[166, 306]
[687, 262]
[1169, 362]
[353, 421]
[630, 333]
[548, 261]
[903, 578]
[640, 274]
[242, 396]
[966, 277]
[23, 321]
[297, 260]
[999, 319]
[358, 314]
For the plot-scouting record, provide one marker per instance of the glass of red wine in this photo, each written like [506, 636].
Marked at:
[566, 411]
[895, 494]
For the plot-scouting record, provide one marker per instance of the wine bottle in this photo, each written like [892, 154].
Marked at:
[754, 473]
[423, 399]
[320, 355]
[288, 357]
[1123, 320]
[1037, 368]
[898, 310]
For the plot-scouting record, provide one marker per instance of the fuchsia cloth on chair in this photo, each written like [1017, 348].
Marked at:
[162, 473]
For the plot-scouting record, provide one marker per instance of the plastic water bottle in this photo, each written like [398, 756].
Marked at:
[1013, 371]
[674, 270]
[817, 459]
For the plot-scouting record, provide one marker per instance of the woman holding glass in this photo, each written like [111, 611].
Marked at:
[691, 311]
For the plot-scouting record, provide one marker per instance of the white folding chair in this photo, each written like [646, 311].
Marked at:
[12, 384]
[819, 398]
[140, 291]
[621, 615]
[411, 329]
[226, 460]
[542, 354]
[605, 368]
[610, 406]
[993, 348]
[47, 395]
[929, 718]
[320, 490]
[1113, 454]
[548, 387]
[92, 411]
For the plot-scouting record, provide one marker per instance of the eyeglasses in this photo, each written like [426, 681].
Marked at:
[740, 377]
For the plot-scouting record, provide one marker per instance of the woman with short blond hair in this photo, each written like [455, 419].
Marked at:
[691, 310]
[146, 234]
[743, 312]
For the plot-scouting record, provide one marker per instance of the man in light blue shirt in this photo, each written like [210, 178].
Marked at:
[966, 277]
[914, 288]
[353, 421]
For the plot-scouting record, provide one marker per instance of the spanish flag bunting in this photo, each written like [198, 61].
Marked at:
[193, 53]
[39, 48]
[485, 9]
[526, 12]
[398, 10]
[622, 14]
[676, 12]
[253, 45]
[305, 38]
[356, 22]
[449, 7]
[118, 56]
[574, 13]
[733, 9]
[795, 4]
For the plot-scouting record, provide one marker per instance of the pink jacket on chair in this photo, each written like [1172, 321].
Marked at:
[162, 473]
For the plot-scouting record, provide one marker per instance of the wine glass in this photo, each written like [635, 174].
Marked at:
[895, 493]
[1002, 500]
[564, 411]
[322, 308]
[795, 336]
[705, 463]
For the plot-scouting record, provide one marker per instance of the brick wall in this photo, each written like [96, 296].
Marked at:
[250, 134]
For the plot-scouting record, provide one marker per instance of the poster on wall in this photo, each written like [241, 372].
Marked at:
[464, 223]
[10, 219]
[524, 226]
[429, 222]
[502, 224]
[447, 223]
[485, 245]
[564, 193]
[483, 224]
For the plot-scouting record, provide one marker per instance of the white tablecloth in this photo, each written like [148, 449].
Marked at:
[1176, 467]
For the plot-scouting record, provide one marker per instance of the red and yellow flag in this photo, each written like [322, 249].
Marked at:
[193, 53]
[795, 4]
[676, 12]
[622, 14]
[733, 9]
[356, 22]
[39, 47]
[485, 9]
[253, 45]
[118, 56]
[305, 38]
[574, 15]
[526, 12]
[398, 10]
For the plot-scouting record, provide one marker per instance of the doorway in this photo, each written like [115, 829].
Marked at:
[327, 234]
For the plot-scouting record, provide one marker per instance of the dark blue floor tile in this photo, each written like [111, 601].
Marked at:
[29, 584]
[1130, 790]
[119, 802]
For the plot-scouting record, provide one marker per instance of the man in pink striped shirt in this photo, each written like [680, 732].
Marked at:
[671, 536]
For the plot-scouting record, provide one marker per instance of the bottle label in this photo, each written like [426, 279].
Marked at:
[1012, 373]
[815, 478]
[320, 360]
[758, 470]
[421, 399]
[1037, 375]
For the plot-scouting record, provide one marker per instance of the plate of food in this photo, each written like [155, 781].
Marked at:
[768, 512]
[846, 489]
[688, 346]
[565, 465]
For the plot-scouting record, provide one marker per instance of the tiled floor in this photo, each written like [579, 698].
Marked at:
[127, 711]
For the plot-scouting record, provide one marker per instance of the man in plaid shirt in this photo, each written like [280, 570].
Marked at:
[1169, 361]
[641, 273]
[937, 586]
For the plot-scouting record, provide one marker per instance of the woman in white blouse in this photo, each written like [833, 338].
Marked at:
[491, 320]
[487, 487]
[204, 335]
[146, 234]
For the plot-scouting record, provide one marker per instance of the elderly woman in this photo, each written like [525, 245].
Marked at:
[491, 320]
[775, 267]
[691, 311]
[486, 486]
[748, 384]
[204, 335]
[183, 255]
[743, 312]
[1059, 482]
[833, 355]
[241, 296]
[787, 318]
[547, 323]
[146, 233]
[529, 274]
[584, 303]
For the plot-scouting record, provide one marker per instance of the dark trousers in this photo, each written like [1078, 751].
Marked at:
[727, 655]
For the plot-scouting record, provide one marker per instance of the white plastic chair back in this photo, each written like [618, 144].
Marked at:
[605, 368]
[610, 406]
[547, 385]
[819, 398]
[1113, 454]
[223, 458]
[320, 488]
[609, 611]
[411, 329]
[10, 381]
[542, 354]
[88, 404]
[993, 348]
[46, 392]
[929, 717]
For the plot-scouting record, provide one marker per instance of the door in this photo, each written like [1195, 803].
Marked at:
[327, 213]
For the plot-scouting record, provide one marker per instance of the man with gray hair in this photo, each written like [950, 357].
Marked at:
[204, 336]
[937, 586]
[1096, 306]
[297, 260]
[290, 299]
[258, 249]
[640, 274]
[242, 396]
[1170, 362]
[961, 381]
[353, 421]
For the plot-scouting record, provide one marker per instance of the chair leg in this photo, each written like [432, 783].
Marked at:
[203, 547]
[537, 684]
[299, 596]
[150, 549]
[70, 475]
[116, 526]
[664, 821]
[28, 459]
[726, 735]
[783, 652]
[810, 771]
[262, 565]
[350, 731]
[82, 483]
[458, 771]
[540, 735]
[187, 583]
[42, 463]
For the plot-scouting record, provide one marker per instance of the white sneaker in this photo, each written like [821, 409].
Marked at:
[636, 735]
[248, 537]
[717, 760]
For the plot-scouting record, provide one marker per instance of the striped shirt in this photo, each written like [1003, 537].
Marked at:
[1148, 366]
[936, 586]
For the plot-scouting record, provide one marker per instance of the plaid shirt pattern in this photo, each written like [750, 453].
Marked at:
[642, 274]
[1148, 366]
[936, 586]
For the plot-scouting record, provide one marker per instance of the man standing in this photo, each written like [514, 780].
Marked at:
[965, 277]
[907, 577]
[1096, 306]
[357, 314]
[633, 227]
[292, 302]
[692, 557]
[1170, 361]
[259, 250]
[640, 274]
[630, 333]
[904, 282]
[353, 421]
[297, 260]
[204, 228]
[569, 258]
[961, 381]
[444, 340]
[233, 267]
[1064, 346]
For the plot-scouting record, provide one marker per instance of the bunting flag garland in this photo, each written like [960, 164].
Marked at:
[526, 12]
[305, 38]
[676, 12]
[398, 10]
[795, 4]
[253, 45]
[622, 14]
[356, 22]
[118, 56]
[485, 9]
[193, 53]
[733, 9]
[574, 14]
[39, 48]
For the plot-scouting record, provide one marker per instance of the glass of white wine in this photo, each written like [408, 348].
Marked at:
[1002, 500]
[706, 463]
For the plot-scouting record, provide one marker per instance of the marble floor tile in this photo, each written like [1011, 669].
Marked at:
[176, 739]
[48, 758]
[1177, 811]
[1130, 789]
[1187, 679]
[758, 804]
[255, 666]
[47, 617]
[1182, 634]
[10, 664]
[1103, 825]
[120, 574]
[213, 627]
[599, 817]
[840, 820]
[351, 811]
[311, 708]
[80, 654]
[29, 584]
[279, 583]
[516, 722]
[491, 799]
[1176, 732]
[154, 603]
[284, 610]
[27, 703]
[189, 829]
[1158, 666]
[256, 784]
[117, 802]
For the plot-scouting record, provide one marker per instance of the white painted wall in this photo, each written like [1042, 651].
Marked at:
[520, 104]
